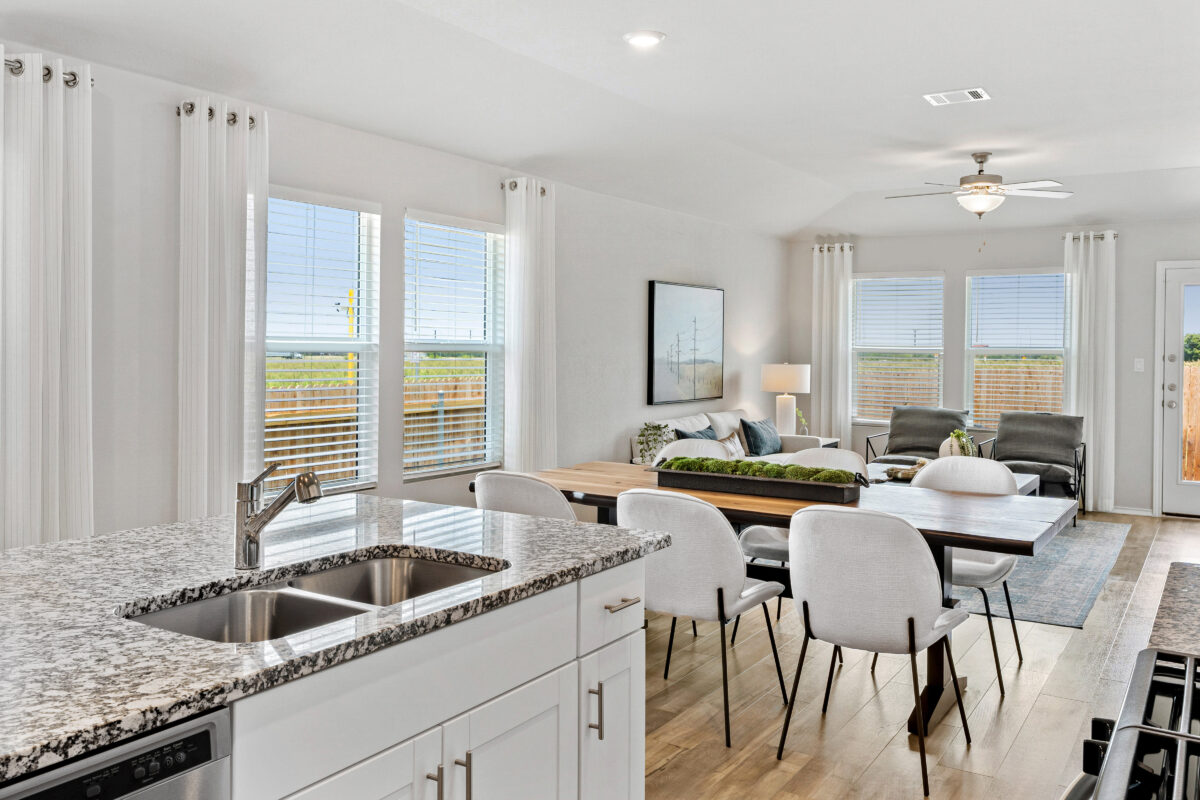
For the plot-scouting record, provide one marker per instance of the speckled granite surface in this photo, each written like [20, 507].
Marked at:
[1177, 624]
[75, 675]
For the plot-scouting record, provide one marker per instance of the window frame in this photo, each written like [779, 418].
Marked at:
[313, 345]
[494, 350]
[969, 351]
[855, 349]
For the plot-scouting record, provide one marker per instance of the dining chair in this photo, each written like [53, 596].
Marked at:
[977, 569]
[702, 574]
[866, 580]
[519, 493]
[770, 543]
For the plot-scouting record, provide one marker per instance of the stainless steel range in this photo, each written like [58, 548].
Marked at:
[1152, 750]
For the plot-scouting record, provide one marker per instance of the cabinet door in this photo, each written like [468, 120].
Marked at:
[612, 721]
[522, 745]
[398, 773]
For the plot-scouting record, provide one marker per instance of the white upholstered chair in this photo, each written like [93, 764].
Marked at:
[497, 490]
[866, 580]
[977, 569]
[702, 574]
[692, 448]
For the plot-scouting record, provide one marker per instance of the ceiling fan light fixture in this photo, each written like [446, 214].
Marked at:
[980, 202]
[644, 40]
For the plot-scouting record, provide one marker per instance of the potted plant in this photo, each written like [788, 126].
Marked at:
[651, 438]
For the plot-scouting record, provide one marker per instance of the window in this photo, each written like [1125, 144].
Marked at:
[453, 344]
[896, 338]
[1016, 336]
[322, 342]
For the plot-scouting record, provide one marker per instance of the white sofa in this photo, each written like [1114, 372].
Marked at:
[724, 423]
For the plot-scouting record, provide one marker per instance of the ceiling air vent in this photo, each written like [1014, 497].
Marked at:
[957, 96]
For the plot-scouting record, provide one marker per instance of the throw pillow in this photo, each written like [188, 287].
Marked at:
[734, 445]
[703, 433]
[762, 439]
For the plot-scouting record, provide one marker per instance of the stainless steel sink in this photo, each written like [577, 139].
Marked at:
[249, 615]
[384, 581]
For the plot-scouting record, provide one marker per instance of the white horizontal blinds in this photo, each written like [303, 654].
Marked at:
[453, 332]
[896, 339]
[1016, 337]
[322, 343]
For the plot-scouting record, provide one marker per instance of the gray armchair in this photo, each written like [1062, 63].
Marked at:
[915, 432]
[1050, 446]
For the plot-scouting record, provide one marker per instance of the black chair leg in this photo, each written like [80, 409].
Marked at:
[962, 711]
[694, 628]
[838, 649]
[912, 659]
[778, 607]
[987, 607]
[670, 644]
[829, 680]
[787, 719]
[1013, 620]
[724, 662]
[737, 621]
[775, 652]
[874, 659]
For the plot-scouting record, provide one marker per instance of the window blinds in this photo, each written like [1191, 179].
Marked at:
[453, 328]
[896, 337]
[322, 343]
[1016, 339]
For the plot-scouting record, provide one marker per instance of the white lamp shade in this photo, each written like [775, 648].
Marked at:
[980, 202]
[787, 378]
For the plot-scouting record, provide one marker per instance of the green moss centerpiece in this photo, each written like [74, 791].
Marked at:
[760, 478]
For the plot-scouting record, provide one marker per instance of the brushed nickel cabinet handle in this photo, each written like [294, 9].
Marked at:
[441, 790]
[466, 764]
[625, 603]
[598, 726]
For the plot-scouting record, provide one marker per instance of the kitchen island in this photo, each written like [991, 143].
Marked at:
[78, 675]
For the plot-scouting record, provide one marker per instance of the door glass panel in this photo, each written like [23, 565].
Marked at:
[1189, 390]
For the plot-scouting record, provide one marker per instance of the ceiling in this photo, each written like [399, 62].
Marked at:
[774, 115]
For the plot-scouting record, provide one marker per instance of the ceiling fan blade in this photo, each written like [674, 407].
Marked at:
[1032, 193]
[951, 185]
[923, 194]
[1043, 184]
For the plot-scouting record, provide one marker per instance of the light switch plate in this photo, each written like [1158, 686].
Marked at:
[1139, 365]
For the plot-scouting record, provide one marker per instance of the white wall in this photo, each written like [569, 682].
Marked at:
[607, 250]
[1139, 247]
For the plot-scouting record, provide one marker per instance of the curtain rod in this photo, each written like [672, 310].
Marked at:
[513, 187]
[231, 118]
[1101, 234]
[830, 248]
[17, 67]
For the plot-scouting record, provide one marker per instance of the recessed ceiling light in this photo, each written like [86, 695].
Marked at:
[644, 40]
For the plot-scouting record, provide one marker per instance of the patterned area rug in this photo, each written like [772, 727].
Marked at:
[1059, 585]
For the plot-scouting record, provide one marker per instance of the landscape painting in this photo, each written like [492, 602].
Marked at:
[687, 343]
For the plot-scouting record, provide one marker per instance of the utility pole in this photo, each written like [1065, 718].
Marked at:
[693, 358]
[678, 357]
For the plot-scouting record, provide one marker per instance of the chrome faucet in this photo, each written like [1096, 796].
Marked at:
[251, 518]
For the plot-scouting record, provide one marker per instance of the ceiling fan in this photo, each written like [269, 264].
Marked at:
[983, 192]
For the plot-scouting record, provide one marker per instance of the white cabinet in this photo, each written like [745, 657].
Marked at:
[612, 721]
[398, 773]
[519, 746]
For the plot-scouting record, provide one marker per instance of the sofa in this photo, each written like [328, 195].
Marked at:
[723, 423]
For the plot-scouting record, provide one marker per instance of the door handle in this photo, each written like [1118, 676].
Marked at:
[625, 603]
[441, 791]
[598, 726]
[467, 765]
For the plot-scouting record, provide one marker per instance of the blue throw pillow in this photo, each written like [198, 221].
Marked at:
[703, 433]
[762, 439]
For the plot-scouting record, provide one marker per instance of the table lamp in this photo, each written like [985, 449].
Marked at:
[788, 379]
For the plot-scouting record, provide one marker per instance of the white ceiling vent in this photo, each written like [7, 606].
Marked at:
[957, 96]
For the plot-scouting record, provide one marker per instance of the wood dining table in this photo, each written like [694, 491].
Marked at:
[1015, 524]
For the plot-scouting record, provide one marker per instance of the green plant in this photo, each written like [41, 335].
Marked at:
[800, 417]
[651, 438]
[758, 469]
[965, 445]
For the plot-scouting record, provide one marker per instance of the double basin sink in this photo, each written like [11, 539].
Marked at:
[296, 604]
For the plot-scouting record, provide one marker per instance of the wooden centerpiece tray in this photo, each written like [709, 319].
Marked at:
[817, 491]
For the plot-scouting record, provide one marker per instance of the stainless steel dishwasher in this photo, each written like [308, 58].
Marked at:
[186, 761]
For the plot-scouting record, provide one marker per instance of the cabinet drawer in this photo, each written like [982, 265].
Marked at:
[610, 605]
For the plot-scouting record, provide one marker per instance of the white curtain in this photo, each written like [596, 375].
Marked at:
[832, 267]
[1091, 265]
[530, 418]
[45, 300]
[222, 271]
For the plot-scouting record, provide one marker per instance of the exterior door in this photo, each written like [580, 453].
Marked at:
[612, 698]
[1181, 392]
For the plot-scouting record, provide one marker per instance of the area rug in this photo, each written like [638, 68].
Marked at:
[1059, 585]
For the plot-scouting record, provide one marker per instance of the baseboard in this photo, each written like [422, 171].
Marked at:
[1137, 512]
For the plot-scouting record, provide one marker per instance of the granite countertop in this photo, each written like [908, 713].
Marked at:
[1177, 624]
[76, 675]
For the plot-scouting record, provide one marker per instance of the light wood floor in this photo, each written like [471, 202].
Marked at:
[1026, 745]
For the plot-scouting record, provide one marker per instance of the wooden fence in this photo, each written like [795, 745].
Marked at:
[1191, 421]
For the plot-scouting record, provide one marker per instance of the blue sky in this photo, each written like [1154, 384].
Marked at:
[1191, 309]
